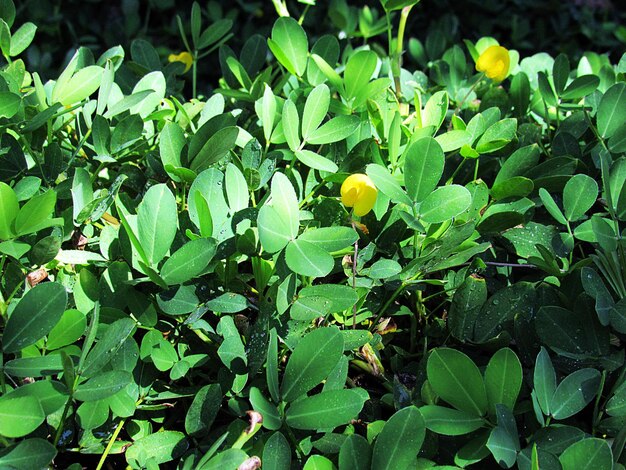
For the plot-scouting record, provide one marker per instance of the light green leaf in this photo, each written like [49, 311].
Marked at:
[157, 222]
[400, 440]
[457, 380]
[312, 360]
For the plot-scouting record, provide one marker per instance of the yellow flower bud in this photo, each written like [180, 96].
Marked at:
[184, 57]
[358, 191]
[494, 61]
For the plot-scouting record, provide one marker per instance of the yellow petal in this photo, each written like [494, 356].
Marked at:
[494, 62]
[359, 191]
[184, 57]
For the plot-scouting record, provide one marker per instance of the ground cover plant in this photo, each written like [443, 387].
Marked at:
[361, 249]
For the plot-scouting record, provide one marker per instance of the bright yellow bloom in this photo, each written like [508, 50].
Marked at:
[184, 57]
[358, 191]
[494, 61]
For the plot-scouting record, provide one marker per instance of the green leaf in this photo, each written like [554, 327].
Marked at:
[157, 222]
[355, 453]
[315, 109]
[279, 221]
[315, 161]
[272, 419]
[36, 213]
[519, 163]
[400, 440]
[588, 454]
[579, 195]
[454, 140]
[171, 143]
[230, 458]
[551, 206]
[318, 462]
[520, 94]
[93, 414]
[291, 125]
[20, 416]
[82, 85]
[359, 70]
[435, 110]
[517, 186]
[276, 453]
[572, 332]
[188, 261]
[38, 366]
[342, 297]
[387, 184]
[330, 238]
[337, 129]
[445, 203]
[7, 12]
[108, 345]
[70, 328]
[574, 393]
[236, 189]
[9, 208]
[34, 316]
[423, 168]
[29, 453]
[207, 151]
[160, 447]
[502, 446]
[308, 259]
[544, 380]
[203, 410]
[503, 379]
[228, 303]
[612, 110]
[271, 367]
[391, 5]
[456, 379]
[560, 73]
[326, 410]
[500, 310]
[214, 33]
[156, 349]
[581, 87]
[126, 103]
[384, 269]
[103, 385]
[449, 422]
[497, 136]
[290, 45]
[466, 305]
[52, 395]
[327, 48]
[312, 360]
[9, 104]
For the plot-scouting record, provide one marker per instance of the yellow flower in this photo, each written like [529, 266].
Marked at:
[358, 191]
[494, 61]
[184, 57]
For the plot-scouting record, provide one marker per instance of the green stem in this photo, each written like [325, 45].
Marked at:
[354, 265]
[66, 410]
[462, 102]
[109, 446]
[306, 10]
[458, 168]
[194, 74]
[396, 57]
[596, 409]
[389, 301]
[281, 8]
